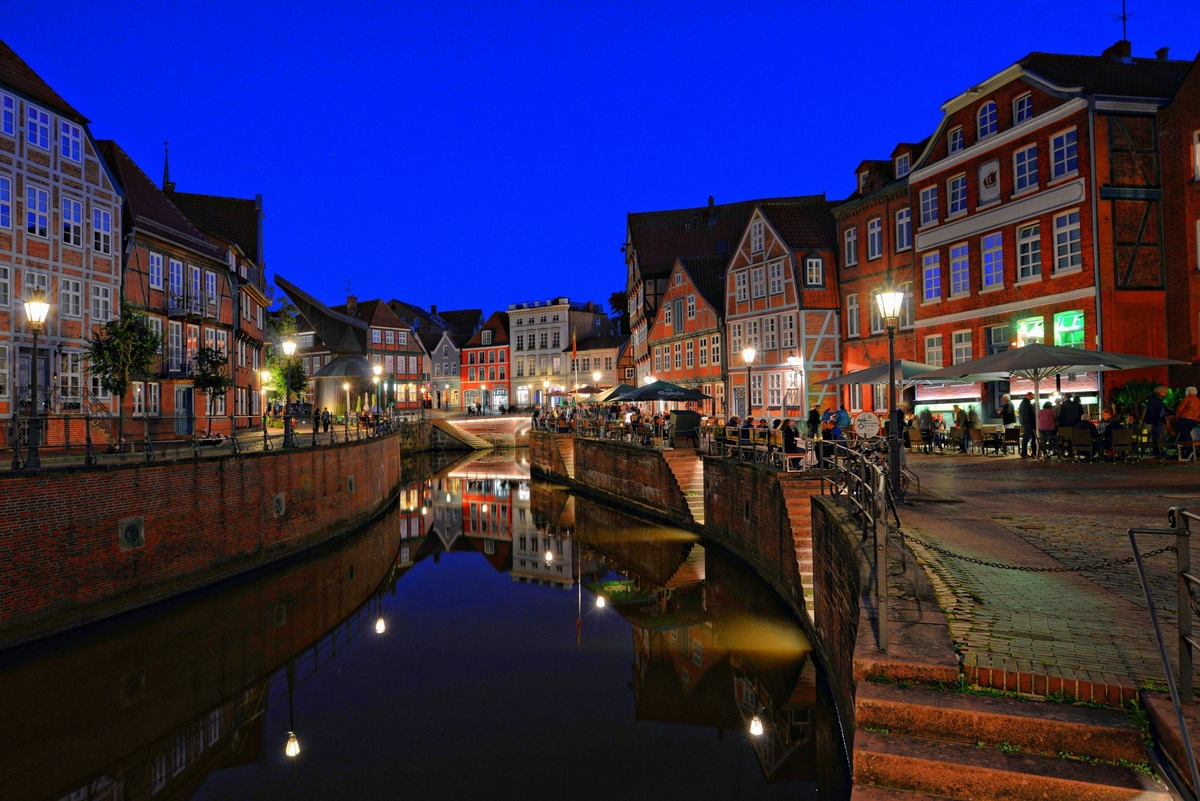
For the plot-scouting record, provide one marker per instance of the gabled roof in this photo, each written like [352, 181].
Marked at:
[804, 223]
[232, 218]
[149, 209]
[708, 275]
[336, 330]
[429, 338]
[660, 237]
[600, 343]
[463, 321]
[20, 77]
[374, 313]
[498, 325]
[1108, 75]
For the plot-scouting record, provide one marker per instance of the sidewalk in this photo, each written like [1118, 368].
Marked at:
[1076, 628]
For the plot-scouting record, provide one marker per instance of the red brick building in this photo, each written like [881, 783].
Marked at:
[875, 236]
[60, 232]
[686, 336]
[485, 378]
[1037, 213]
[1179, 130]
[782, 299]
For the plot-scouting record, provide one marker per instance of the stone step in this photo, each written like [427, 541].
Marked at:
[864, 793]
[960, 770]
[1042, 727]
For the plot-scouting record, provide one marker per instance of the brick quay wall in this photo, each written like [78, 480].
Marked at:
[80, 544]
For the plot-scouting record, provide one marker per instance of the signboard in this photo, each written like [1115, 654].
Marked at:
[866, 425]
[989, 182]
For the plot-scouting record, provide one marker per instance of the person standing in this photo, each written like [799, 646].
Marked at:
[1006, 412]
[1027, 414]
[960, 421]
[1070, 412]
[1187, 415]
[1156, 418]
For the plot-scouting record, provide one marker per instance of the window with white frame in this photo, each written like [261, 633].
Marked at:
[758, 282]
[851, 245]
[1196, 155]
[376, 336]
[72, 222]
[389, 337]
[401, 336]
[874, 238]
[992, 251]
[1064, 154]
[929, 205]
[689, 354]
[756, 390]
[5, 202]
[954, 140]
[1029, 252]
[715, 342]
[101, 231]
[691, 307]
[907, 308]
[658, 358]
[774, 389]
[155, 269]
[703, 351]
[3, 372]
[34, 281]
[879, 400]
[156, 325]
[174, 345]
[70, 376]
[903, 165]
[862, 182]
[1025, 169]
[70, 141]
[855, 397]
[770, 337]
[852, 314]
[1068, 245]
[960, 270]
[875, 315]
[741, 286]
[4, 287]
[756, 236]
[934, 350]
[222, 343]
[903, 229]
[752, 335]
[735, 336]
[70, 297]
[37, 211]
[987, 119]
[678, 355]
[210, 290]
[1023, 108]
[814, 271]
[37, 126]
[8, 115]
[194, 300]
[962, 347]
[175, 276]
[931, 278]
[787, 322]
[956, 188]
[775, 277]
[101, 304]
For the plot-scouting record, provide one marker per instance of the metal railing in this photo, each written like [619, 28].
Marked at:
[1180, 521]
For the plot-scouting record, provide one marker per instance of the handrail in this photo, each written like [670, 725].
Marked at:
[1180, 527]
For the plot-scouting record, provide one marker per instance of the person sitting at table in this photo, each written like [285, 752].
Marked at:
[744, 431]
[791, 440]
[1084, 423]
[831, 435]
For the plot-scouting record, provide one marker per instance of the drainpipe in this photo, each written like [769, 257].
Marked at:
[1095, 245]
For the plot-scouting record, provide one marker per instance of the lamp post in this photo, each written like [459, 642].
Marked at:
[265, 378]
[748, 358]
[546, 392]
[289, 436]
[794, 363]
[378, 370]
[346, 416]
[890, 301]
[483, 399]
[36, 309]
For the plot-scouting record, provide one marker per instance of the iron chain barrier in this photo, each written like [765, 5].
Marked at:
[1113, 562]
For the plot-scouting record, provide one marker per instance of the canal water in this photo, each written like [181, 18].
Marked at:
[453, 649]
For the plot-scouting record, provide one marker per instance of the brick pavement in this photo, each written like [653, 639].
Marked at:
[1090, 625]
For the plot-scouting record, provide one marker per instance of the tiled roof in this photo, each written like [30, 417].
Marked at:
[149, 209]
[1105, 75]
[429, 338]
[498, 325]
[231, 218]
[660, 237]
[462, 321]
[804, 223]
[600, 343]
[18, 75]
[374, 313]
[708, 274]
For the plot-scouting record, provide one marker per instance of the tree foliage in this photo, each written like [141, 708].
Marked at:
[121, 351]
[211, 375]
[618, 303]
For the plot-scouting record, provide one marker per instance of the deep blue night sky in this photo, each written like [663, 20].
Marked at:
[477, 154]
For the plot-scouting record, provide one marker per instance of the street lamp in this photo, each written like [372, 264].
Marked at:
[289, 436]
[596, 379]
[890, 301]
[265, 377]
[36, 309]
[748, 358]
[795, 362]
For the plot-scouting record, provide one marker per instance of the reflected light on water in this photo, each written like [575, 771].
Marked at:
[756, 726]
[600, 601]
[380, 626]
[778, 639]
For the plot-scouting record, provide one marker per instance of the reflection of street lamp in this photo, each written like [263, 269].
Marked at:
[378, 370]
[890, 301]
[289, 436]
[292, 749]
[756, 726]
[748, 358]
[36, 309]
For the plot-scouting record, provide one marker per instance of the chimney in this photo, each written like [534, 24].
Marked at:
[1161, 53]
[352, 305]
[1119, 51]
[433, 309]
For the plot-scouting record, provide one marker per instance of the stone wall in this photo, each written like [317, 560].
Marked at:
[838, 574]
[546, 455]
[80, 544]
[639, 477]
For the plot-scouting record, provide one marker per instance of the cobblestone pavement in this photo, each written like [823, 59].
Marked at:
[1089, 622]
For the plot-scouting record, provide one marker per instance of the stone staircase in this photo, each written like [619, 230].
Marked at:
[796, 495]
[688, 468]
[568, 458]
[459, 436]
[917, 743]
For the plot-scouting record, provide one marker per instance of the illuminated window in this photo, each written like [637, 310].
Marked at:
[1031, 331]
[1068, 329]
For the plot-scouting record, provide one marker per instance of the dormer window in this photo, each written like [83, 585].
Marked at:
[862, 182]
[902, 165]
[486, 337]
[1023, 108]
[987, 120]
[756, 236]
[954, 140]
